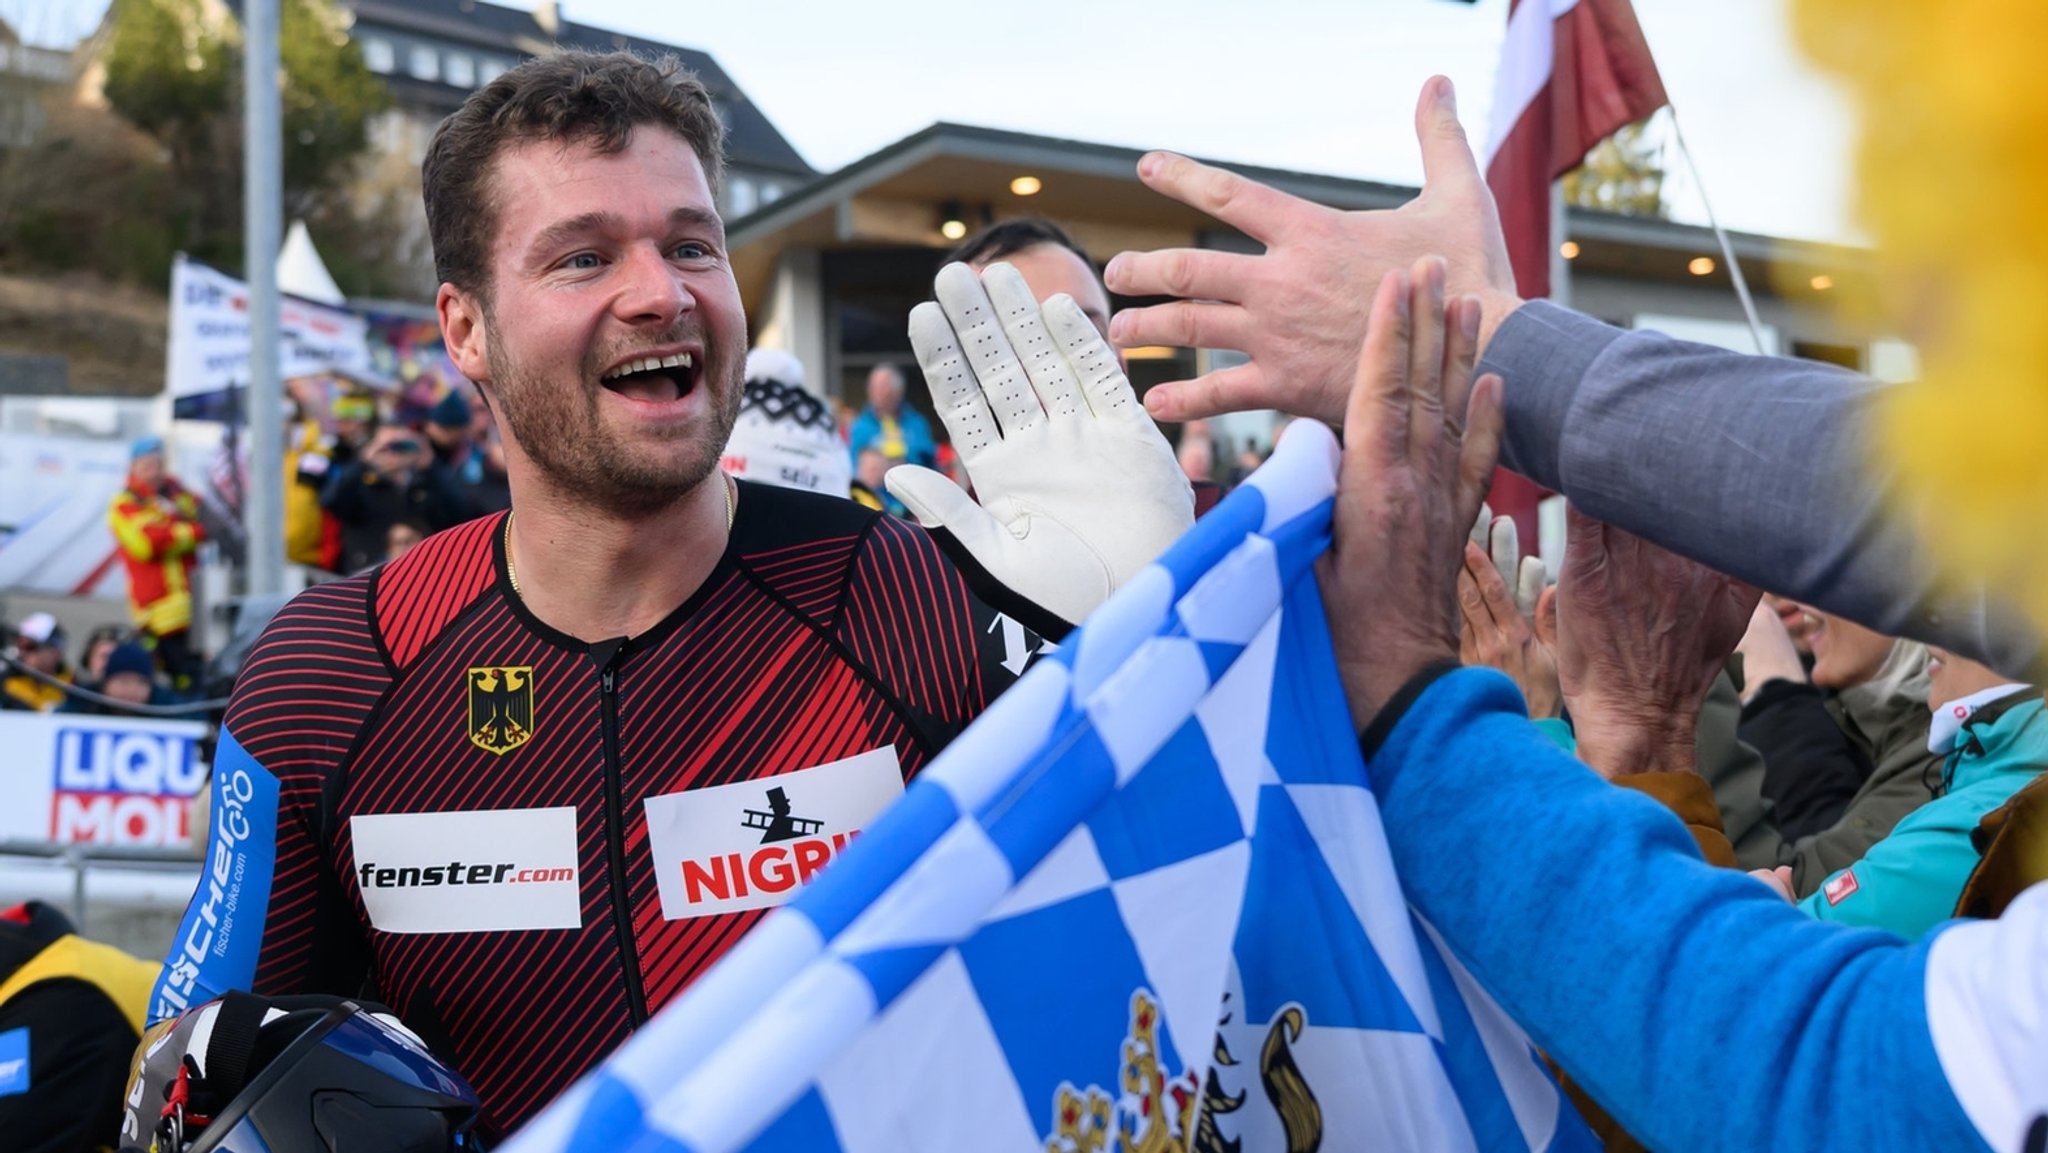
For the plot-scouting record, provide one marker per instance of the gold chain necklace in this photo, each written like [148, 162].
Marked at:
[512, 572]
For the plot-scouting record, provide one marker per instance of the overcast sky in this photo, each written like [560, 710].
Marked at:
[1315, 85]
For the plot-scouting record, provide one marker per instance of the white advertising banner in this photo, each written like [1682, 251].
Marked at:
[98, 780]
[209, 336]
[54, 493]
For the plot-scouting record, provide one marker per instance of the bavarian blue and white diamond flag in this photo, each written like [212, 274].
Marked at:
[1144, 905]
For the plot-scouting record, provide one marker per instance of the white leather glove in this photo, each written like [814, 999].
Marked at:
[1078, 488]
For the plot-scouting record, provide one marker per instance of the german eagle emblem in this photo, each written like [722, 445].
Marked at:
[500, 708]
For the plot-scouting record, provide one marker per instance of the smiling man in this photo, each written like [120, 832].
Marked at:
[531, 779]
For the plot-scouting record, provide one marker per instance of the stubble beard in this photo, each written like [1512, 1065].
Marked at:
[559, 431]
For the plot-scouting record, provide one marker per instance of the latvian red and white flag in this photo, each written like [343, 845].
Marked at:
[1572, 72]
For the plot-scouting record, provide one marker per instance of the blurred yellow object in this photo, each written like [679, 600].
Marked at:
[1953, 105]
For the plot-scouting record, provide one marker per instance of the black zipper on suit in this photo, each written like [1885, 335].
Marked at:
[615, 842]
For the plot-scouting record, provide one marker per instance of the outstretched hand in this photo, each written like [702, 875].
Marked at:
[1294, 309]
[1641, 634]
[1078, 488]
[1420, 438]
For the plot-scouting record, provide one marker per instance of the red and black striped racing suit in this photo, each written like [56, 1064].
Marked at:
[523, 843]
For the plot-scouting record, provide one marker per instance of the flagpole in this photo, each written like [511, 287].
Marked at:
[1756, 326]
[263, 212]
[1560, 268]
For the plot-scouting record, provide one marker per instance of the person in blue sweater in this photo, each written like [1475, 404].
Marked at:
[1701, 1010]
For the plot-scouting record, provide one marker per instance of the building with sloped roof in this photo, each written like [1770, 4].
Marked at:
[431, 54]
[831, 271]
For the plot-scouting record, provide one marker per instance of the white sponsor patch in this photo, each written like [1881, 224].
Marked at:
[477, 872]
[754, 844]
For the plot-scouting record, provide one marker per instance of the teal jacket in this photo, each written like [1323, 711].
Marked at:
[1909, 881]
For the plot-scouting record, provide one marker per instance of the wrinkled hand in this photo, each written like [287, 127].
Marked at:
[1420, 438]
[1295, 308]
[1497, 636]
[1641, 635]
[1078, 488]
[1767, 652]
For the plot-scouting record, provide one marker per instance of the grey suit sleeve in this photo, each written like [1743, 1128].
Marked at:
[1761, 467]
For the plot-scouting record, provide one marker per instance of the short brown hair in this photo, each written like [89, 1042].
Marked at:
[1010, 237]
[567, 97]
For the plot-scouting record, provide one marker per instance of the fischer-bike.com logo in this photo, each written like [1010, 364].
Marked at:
[753, 844]
[474, 872]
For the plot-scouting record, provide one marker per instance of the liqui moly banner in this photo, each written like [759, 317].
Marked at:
[98, 780]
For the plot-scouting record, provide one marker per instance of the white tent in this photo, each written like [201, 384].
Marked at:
[301, 272]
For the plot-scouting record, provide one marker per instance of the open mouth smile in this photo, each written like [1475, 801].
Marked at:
[654, 379]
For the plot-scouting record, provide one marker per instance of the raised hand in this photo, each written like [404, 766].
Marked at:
[1499, 634]
[1767, 651]
[1641, 634]
[1078, 489]
[1420, 438]
[1296, 308]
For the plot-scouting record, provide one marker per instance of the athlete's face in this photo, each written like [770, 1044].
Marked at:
[613, 344]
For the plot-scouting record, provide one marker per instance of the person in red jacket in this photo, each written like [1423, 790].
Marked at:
[156, 524]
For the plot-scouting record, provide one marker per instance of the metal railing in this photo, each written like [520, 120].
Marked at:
[82, 859]
[11, 661]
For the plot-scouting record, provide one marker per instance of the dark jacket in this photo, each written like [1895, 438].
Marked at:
[1886, 720]
[368, 503]
[70, 1017]
[1812, 767]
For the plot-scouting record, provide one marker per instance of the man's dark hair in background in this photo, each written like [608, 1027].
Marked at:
[1008, 237]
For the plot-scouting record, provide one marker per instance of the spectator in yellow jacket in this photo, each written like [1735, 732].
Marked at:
[156, 523]
[312, 536]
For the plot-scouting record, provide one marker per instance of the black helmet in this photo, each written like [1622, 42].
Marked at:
[247, 1074]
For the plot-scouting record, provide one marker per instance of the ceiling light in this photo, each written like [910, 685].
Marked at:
[1701, 266]
[1025, 186]
[952, 221]
[953, 229]
[1569, 250]
[1822, 283]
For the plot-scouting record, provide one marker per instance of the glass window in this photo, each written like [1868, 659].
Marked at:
[739, 197]
[424, 63]
[377, 54]
[490, 69]
[770, 192]
[461, 70]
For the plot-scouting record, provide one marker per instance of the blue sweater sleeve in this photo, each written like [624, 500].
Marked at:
[1702, 1010]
